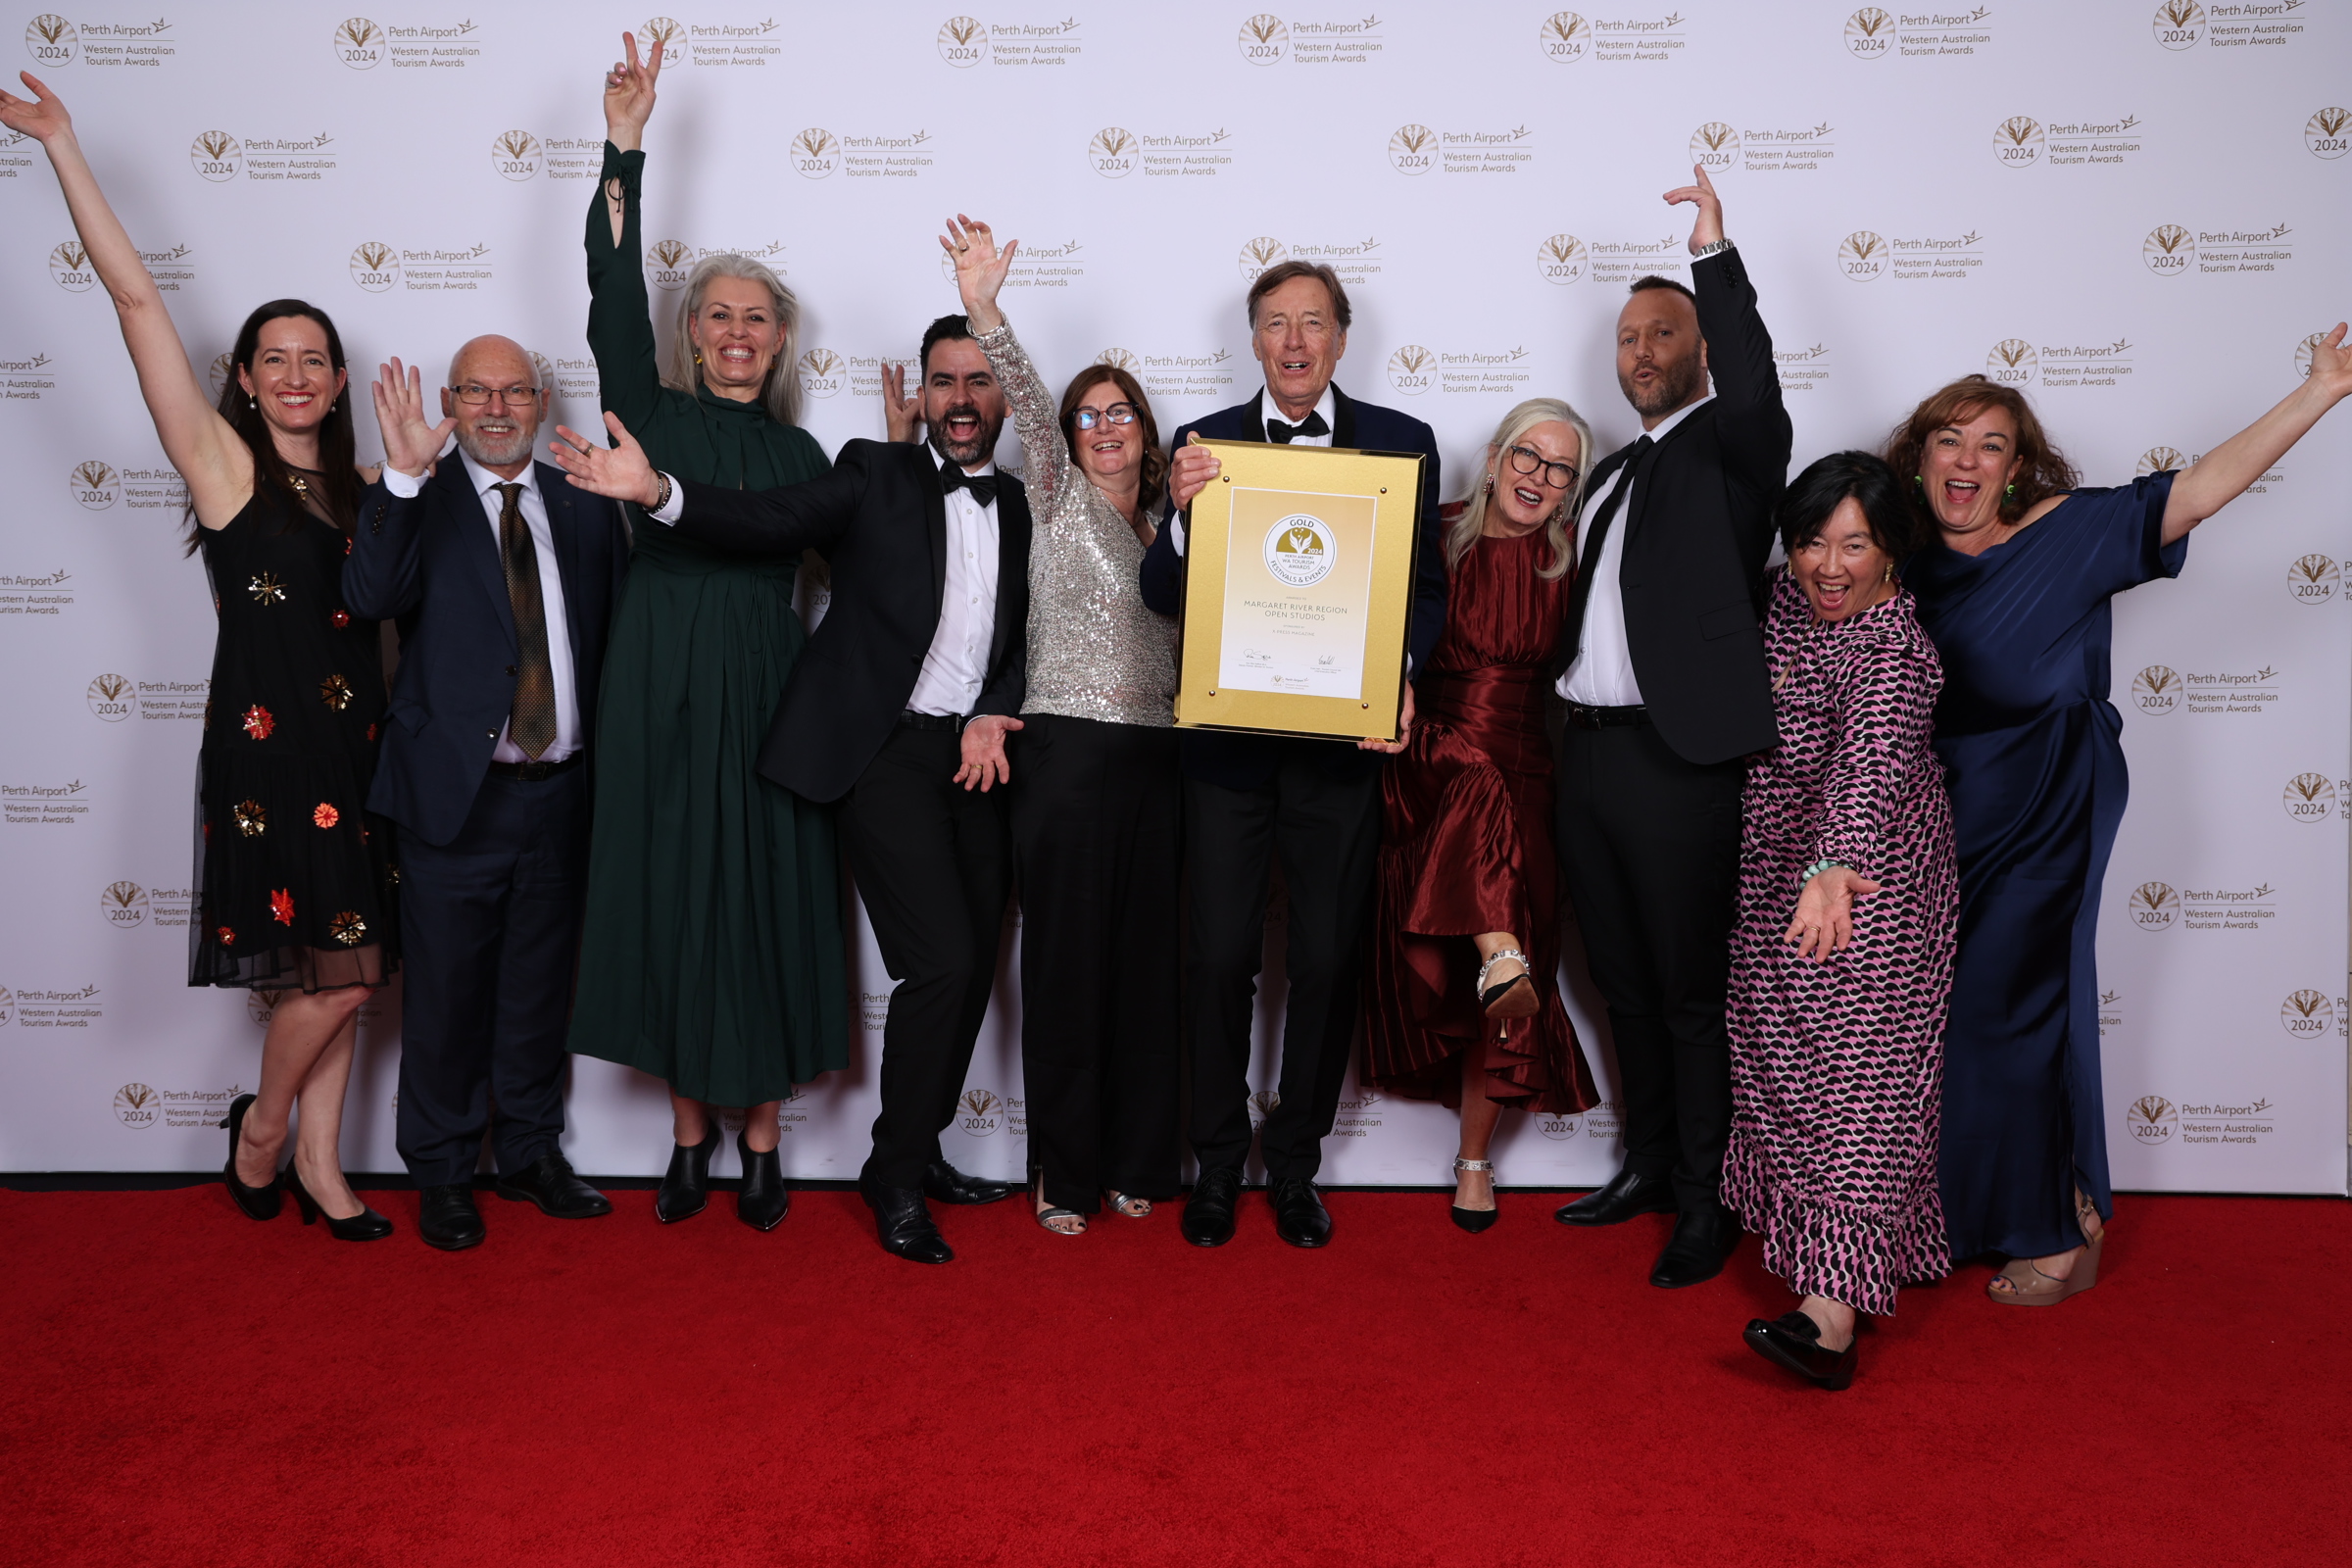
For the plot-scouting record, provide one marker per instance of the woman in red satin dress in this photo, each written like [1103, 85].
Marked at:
[1461, 1009]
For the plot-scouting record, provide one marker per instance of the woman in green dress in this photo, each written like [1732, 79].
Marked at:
[712, 954]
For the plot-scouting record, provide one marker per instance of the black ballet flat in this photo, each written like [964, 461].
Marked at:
[365, 1226]
[1476, 1220]
[685, 1190]
[258, 1203]
[1793, 1341]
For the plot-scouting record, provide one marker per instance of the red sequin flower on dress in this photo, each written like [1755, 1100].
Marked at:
[257, 722]
[326, 815]
[281, 905]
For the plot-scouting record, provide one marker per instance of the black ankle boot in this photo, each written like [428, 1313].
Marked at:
[685, 1190]
[765, 1199]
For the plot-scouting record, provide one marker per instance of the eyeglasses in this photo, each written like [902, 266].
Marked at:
[474, 397]
[1558, 476]
[1117, 413]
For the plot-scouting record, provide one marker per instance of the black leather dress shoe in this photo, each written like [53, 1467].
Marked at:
[685, 1189]
[1793, 1341]
[1627, 1195]
[1300, 1217]
[944, 1183]
[447, 1218]
[1208, 1213]
[765, 1199]
[904, 1222]
[1704, 1239]
[548, 1181]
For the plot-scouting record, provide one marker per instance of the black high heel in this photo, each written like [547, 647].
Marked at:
[765, 1199]
[685, 1190]
[258, 1203]
[365, 1226]
[1475, 1220]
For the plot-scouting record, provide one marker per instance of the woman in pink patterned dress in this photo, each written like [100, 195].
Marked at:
[1848, 915]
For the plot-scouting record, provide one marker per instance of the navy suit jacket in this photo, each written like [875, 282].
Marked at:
[430, 563]
[1249, 761]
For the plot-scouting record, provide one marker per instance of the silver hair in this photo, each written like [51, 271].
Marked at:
[781, 393]
[1556, 528]
[528, 359]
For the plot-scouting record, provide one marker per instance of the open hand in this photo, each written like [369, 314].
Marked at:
[1190, 472]
[902, 410]
[1405, 729]
[984, 763]
[630, 94]
[1709, 227]
[980, 269]
[619, 470]
[40, 117]
[1825, 913]
[410, 445]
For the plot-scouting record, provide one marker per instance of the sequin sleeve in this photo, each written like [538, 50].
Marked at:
[1034, 420]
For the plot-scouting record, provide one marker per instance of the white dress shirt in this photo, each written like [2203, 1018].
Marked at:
[1602, 673]
[551, 594]
[1327, 406]
[956, 667]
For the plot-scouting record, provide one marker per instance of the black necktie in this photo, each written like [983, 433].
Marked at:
[982, 486]
[1282, 436]
[1588, 559]
[531, 722]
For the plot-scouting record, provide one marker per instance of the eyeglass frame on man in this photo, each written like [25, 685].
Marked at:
[1087, 417]
[1535, 462]
[512, 396]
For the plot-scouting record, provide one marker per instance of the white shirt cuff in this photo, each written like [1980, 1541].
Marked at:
[402, 485]
[675, 507]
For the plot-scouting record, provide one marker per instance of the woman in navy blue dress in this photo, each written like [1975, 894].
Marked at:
[2016, 593]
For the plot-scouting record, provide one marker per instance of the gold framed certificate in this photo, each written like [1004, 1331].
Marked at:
[1299, 590]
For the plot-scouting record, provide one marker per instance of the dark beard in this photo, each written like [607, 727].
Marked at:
[1670, 391]
[964, 456]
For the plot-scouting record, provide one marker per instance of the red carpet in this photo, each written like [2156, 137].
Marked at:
[187, 1387]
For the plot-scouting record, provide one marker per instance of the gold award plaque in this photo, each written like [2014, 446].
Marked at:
[1298, 591]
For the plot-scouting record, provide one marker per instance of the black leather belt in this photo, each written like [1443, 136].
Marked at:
[910, 719]
[532, 772]
[1583, 715]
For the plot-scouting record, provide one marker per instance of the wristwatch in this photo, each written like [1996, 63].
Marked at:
[1705, 251]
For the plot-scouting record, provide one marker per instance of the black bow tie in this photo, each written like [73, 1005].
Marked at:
[983, 486]
[1282, 436]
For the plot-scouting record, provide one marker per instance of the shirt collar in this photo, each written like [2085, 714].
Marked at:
[1327, 406]
[483, 478]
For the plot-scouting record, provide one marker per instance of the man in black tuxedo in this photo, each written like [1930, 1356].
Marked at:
[502, 578]
[1662, 665]
[898, 707]
[1313, 803]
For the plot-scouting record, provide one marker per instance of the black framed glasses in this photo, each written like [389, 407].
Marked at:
[474, 397]
[1117, 413]
[1558, 476]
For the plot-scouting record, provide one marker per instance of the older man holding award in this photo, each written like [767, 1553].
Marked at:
[1314, 803]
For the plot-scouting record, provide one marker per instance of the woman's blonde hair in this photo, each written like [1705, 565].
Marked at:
[1557, 527]
[781, 391]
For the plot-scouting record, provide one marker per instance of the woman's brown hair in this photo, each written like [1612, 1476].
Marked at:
[1156, 461]
[2042, 470]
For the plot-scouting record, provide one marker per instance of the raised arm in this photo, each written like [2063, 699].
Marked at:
[207, 451]
[1751, 420]
[620, 331]
[2222, 475]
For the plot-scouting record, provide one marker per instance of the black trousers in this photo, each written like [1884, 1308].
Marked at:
[1649, 849]
[490, 934]
[1325, 830]
[934, 865]
[1096, 825]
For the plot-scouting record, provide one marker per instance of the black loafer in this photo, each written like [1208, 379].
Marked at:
[685, 1190]
[1208, 1214]
[1300, 1217]
[1704, 1240]
[1627, 1195]
[903, 1221]
[942, 1183]
[447, 1218]
[548, 1181]
[1793, 1341]
[765, 1199]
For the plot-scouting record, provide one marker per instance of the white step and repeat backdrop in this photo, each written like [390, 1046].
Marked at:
[2137, 212]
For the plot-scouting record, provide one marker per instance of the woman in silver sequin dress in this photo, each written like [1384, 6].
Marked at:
[1095, 801]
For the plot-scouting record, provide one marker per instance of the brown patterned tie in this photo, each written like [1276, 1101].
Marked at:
[531, 724]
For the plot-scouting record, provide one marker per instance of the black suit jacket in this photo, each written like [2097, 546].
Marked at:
[880, 520]
[430, 562]
[1699, 535]
[1248, 761]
